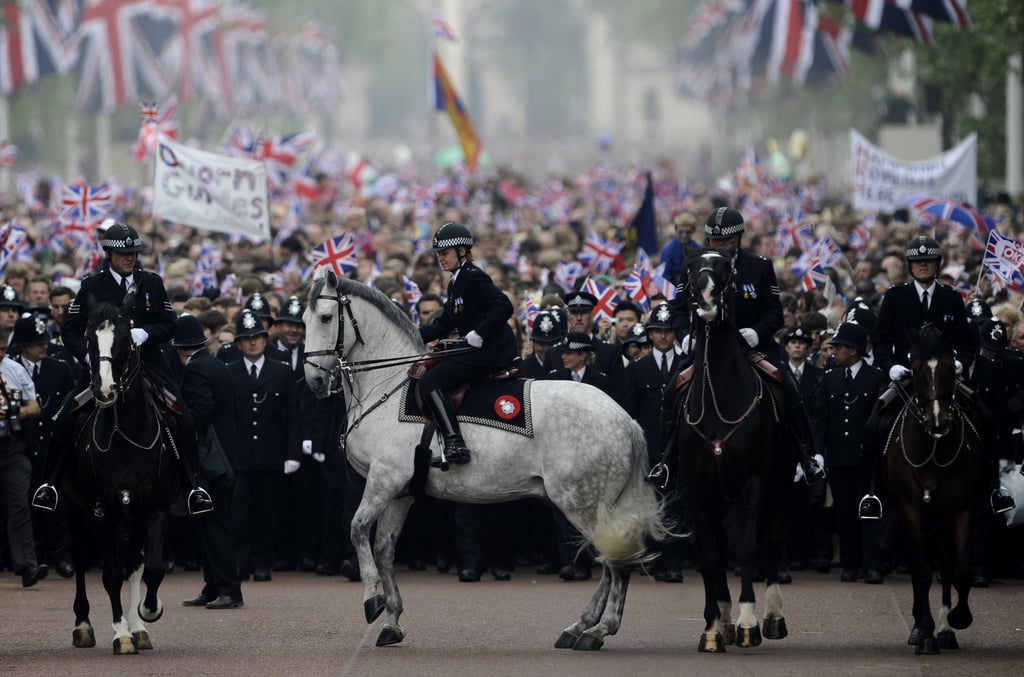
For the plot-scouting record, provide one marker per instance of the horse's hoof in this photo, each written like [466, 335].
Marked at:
[711, 643]
[83, 638]
[124, 646]
[927, 647]
[748, 637]
[389, 635]
[915, 637]
[141, 640]
[566, 640]
[373, 608]
[151, 616]
[960, 617]
[775, 628]
[729, 633]
[588, 643]
[947, 640]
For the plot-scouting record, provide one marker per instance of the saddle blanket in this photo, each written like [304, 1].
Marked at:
[504, 405]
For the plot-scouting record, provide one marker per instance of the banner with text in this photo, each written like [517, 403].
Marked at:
[210, 191]
[883, 183]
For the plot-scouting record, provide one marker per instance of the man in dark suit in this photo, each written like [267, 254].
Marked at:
[845, 398]
[607, 357]
[53, 380]
[142, 299]
[207, 390]
[478, 311]
[544, 334]
[909, 306]
[648, 382]
[757, 312]
[269, 440]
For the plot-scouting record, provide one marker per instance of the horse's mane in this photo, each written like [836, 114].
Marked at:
[932, 342]
[376, 298]
[104, 312]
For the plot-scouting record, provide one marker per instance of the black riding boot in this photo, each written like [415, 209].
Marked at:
[443, 415]
[999, 500]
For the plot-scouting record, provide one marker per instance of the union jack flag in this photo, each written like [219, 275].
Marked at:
[35, 40]
[8, 154]
[529, 311]
[599, 253]
[636, 287]
[860, 236]
[1005, 257]
[155, 120]
[827, 250]
[511, 256]
[440, 28]
[792, 232]
[279, 154]
[412, 295]
[193, 49]
[89, 263]
[339, 253]
[607, 299]
[241, 142]
[84, 203]
[566, 274]
[814, 275]
[15, 245]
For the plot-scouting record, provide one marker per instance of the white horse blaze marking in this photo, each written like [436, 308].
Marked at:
[933, 365]
[707, 310]
[105, 348]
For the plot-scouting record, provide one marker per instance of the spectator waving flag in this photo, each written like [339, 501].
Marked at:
[827, 250]
[813, 275]
[279, 154]
[155, 120]
[606, 297]
[1004, 256]
[339, 253]
[792, 232]
[84, 203]
[599, 253]
[636, 286]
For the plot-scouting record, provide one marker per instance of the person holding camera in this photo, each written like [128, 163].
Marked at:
[17, 403]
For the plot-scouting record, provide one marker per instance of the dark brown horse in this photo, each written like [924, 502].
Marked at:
[735, 460]
[935, 470]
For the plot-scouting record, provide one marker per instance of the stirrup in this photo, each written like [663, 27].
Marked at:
[870, 508]
[1001, 502]
[199, 501]
[46, 497]
[658, 476]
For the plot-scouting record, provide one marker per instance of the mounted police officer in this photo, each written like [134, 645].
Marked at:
[141, 296]
[479, 312]
[906, 306]
[757, 312]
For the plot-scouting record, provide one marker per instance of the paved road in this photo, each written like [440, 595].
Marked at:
[301, 624]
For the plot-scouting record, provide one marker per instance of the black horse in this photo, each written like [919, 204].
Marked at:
[935, 470]
[121, 477]
[735, 459]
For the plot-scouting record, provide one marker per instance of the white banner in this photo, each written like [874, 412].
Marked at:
[210, 191]
[883, 183]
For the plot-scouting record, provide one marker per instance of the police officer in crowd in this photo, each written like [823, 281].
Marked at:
[269, 442]
[53, 380]
[142, 298]
[209, 394]
[260, 307]
[606, 357]
[478, 311]
[907, 306]
[544, 334]
[637, 343]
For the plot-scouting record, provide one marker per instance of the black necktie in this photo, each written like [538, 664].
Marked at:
[255, 374]
[849, 377]
[664, 367]
[35, 372]
[797, 373]
[924, 300]
[124, 285]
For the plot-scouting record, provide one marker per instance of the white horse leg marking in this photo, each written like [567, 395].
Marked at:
[105, 347]
[773, 601]
[943, 624]
[747, 619]
[135, 623]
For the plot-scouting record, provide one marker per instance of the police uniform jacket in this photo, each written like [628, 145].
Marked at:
[475, 304]
[807, 384]
[229, 353]
[54, 381]
[642, 397]
[756, 302]
[839, 417]
[989, 378]
[208, 390]
[607, 360]
[901, 308]
[591, 376]
[532, 367]
[151, 311]
[269, 422]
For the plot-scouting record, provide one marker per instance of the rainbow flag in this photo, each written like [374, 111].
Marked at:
[447, 99]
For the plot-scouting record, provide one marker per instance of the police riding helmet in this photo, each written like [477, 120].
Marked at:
[723, 223]
[121, 238]
[451, 235]
[923, 248]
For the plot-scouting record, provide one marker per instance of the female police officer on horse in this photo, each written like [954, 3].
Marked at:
[479, 312]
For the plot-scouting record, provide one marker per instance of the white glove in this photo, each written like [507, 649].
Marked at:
[291, 466]
[307, 447]
[318, 457]
[898, 372]
[799, 473]
[820, 459]
[140, 336]
[474, 339]
[959, 367]
[1006, 465]
[686, 345]
[750, 336]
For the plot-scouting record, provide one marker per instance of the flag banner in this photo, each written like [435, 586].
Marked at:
[1004, 256]
[883, 183]
[211, 191]
[447, 99]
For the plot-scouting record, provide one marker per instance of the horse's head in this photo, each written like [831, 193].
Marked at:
[113, 355]
[325, 333]
[710, 275]
[934, 369]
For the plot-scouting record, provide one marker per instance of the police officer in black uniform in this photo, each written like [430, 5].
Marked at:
[757, 312]
[607, 357]
[142, 298]
[258, 304]
[545, 333]
[479, 312]
[905, 306]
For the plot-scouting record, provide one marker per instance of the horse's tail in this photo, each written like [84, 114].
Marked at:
[622, 528]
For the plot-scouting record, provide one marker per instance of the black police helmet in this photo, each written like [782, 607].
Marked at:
[122, 238]
[723, 223]
[923, 248]
[451, 235]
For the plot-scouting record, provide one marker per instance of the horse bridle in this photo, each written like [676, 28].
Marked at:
[707, 267]
[121, 382]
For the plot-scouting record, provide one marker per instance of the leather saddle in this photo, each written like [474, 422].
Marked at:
[458, 393]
